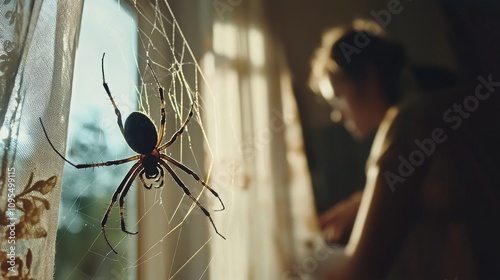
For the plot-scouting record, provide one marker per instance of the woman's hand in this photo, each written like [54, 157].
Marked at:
[338, 221]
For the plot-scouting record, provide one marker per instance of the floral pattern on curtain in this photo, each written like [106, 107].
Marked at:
[37, 47]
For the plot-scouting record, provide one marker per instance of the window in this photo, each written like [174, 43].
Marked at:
[93, 136]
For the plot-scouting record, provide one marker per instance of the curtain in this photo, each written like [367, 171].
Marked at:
[37, 46]
[260, 167]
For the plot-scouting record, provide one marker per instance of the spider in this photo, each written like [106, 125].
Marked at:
[141, 135]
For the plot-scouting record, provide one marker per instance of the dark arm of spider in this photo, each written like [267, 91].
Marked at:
[124, 186]
[87, 165]
[180, 131]
[162, 101]
[188, 193]
[194, 175]
[106, 88]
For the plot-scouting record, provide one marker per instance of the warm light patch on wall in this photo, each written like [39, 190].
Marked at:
[226, 44]
[256, 48]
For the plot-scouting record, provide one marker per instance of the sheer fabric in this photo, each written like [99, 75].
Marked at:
[37, 46]
[260, 167]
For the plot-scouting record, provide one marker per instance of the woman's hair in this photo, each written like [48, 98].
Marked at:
[350, 51]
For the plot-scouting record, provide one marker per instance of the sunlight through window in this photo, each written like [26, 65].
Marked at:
[93, 134]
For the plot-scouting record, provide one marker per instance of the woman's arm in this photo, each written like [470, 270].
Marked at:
[337, 222]
[388, 204]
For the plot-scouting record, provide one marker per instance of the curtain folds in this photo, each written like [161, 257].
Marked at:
[37, 48]
[260, 167]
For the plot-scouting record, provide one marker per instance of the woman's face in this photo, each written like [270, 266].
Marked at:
[354, 104]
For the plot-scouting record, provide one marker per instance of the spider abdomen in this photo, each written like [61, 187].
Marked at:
[140, 133]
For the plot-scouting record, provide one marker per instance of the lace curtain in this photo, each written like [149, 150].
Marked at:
[37, 46]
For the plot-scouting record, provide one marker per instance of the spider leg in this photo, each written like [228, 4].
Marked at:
[106, 87]
[194, 175]
[126, 181]
[87, 165]
[162, 101]
[162, 174]
[188, 193]
[121, 201]
[180, 131]
[144, 182]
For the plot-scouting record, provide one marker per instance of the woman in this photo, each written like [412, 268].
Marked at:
[358, 70]
[414, 217]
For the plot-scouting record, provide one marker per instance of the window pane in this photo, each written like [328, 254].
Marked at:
[93, 136]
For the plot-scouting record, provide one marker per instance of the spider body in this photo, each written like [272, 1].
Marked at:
[140, 133]
[151, 161]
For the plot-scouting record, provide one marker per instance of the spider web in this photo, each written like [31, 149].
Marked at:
[174, 235]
